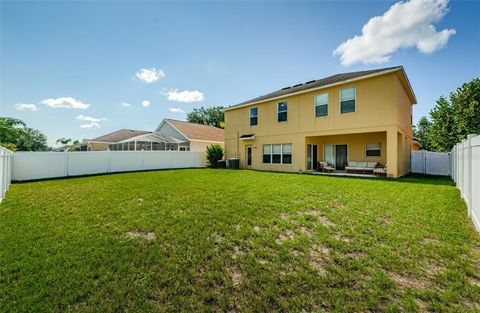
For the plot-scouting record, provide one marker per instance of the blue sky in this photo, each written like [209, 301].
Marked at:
[207, 53]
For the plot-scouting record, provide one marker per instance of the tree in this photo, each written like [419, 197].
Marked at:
[443, 135]
[63, 141]
[15, 134]
[31, 140]
[466, 109]
[452, 119]
[422, 132]
[10, 129]
[76, 142]
[212, 116]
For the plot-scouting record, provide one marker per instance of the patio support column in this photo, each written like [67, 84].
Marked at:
[392, 153]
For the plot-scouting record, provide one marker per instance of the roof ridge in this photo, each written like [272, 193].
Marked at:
[332, 79]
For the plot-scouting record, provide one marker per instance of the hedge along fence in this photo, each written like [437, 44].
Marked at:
[6, 164]
[466, 174]
[41, 165]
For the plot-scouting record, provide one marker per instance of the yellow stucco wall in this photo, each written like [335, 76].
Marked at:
[383, 113]
[97, 146]
[201, 146]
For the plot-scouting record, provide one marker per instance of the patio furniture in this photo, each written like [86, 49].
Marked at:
[380, 170]
[360, 167]
[324, 167]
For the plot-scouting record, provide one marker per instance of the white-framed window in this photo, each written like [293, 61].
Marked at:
[253, 116]
[184, 148]
[282, 111]
[348, 100]
[321, 105]
[373, 149]
[277, 154]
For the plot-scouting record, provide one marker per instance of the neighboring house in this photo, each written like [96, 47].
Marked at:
[357, 116]
[416, 145]
[102, 143]
[63, 148]
[174, 135]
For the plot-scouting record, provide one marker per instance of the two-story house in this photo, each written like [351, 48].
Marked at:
[357, 116]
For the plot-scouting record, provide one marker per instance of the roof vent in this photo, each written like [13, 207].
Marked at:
[310, 81]
[297, 85]
[285, 88]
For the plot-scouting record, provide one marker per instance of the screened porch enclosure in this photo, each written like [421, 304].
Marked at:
[151, 142]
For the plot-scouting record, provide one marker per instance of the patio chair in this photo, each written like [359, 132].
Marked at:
[324, 167]
[380, 170]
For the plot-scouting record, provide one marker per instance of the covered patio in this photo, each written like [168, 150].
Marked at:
[347, 154]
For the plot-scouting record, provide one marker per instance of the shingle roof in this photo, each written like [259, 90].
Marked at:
[195, 131]
[120, 135]
[314, 84]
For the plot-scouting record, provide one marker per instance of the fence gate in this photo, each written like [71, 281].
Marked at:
[431, 163]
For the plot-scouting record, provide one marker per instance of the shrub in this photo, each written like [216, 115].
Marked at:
[214, 154]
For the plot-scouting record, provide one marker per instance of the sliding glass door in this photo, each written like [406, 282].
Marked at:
[312, 152]
[336, 155]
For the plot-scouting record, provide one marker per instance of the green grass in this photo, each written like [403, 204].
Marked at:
[237, 241]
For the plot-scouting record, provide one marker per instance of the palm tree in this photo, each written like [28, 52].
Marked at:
[63, 141]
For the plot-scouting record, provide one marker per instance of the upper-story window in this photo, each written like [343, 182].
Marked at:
[347, 100]
[282, 111]
[321, 104]
[253, 116]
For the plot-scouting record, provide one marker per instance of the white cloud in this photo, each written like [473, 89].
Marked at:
[90, 125]
[125, 104]
[150, 75]
[94, 122]
[89, 118]
[26, 107]
[405, 25]
[145, 103]
[177, 110]
[185, 96]
[65, 102]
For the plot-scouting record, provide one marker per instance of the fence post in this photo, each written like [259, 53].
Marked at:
[108, 157]
[2, 172]
[66, 165]
[469, 171]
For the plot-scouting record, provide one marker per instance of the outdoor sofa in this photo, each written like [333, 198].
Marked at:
[360, 167]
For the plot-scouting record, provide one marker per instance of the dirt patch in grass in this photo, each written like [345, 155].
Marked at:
[217, 237]
[408, 281]
[236, 277]
[319, 256]
[288, 235]
[285, 217]
[431, 241]
[339, 237]
[306, 231]
[322, 218]
[356, 255]
[385, 219]
[141, 235]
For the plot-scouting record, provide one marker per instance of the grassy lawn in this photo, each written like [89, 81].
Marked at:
[216, 240]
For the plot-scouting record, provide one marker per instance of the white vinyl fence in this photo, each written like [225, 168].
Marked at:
[39, 165]
[466, 174]
[431, 163]
[5, 170]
